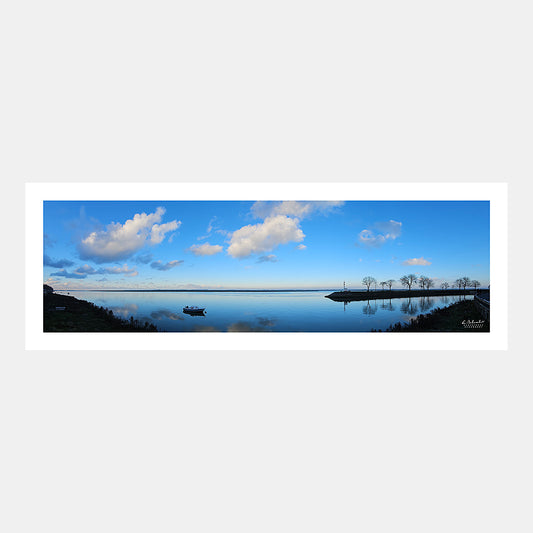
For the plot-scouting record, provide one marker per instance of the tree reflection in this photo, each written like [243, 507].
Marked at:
[425, 303]
[387, 305]
[409, 308]
[369, 309]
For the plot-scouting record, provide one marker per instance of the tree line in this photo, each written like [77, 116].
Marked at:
[410, 280]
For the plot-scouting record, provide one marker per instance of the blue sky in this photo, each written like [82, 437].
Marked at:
[227, 244]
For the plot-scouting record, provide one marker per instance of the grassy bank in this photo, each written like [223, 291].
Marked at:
[459, 317]
[82, 316]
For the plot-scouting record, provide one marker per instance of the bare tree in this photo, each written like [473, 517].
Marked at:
[369, 281]
[383, 285]
[389, 283]
[463, 283]
[444, 285]
[429, 283]
[475, 283]
[423, 281]
[408, 281]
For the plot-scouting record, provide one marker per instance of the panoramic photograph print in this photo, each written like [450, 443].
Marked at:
[189, 266]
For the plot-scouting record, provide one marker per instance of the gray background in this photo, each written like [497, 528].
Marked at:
[259, 441]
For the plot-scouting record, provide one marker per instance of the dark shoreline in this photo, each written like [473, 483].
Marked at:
[464, 316]
[82, 316]
[357, 296]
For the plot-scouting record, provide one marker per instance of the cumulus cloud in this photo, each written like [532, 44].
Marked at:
[159, 265]
[417, 261]
[267, 259]
[262, 209]
[119, 241]
[205, 249]
[56, 263]
[265, 236]
[158, 232]
[380, 233]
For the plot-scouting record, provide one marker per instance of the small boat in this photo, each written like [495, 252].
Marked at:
[193, 310]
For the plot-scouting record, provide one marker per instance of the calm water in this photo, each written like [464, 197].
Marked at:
[263, 311]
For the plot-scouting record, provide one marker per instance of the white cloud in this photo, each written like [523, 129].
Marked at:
[205, 249]
[380, 233]
[119, 241]
[262, 209]
[159, 230]
[369, 238]
[265, 236]
[301, 247]
[417, 261]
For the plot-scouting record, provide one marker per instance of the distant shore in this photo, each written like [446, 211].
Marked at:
[357, 296]
[193, 290]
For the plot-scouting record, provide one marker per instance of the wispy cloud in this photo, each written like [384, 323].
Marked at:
[267, 259]
[127, 271]
[143, 259]
[380, 233]
[262, 209]
[158, 265]
[301, 247]
[209, 230]
[120, 241]
[416, 261]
